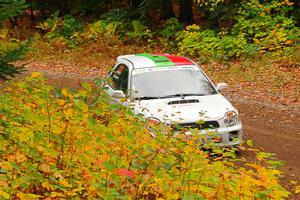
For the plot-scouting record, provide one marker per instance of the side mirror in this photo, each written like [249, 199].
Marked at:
[118, 94]
[221, 86]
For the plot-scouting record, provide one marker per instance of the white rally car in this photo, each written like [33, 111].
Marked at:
[172, 90]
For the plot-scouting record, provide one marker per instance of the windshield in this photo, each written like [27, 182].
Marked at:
[170, 83]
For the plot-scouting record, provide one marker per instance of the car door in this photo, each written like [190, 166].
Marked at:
[119, 82]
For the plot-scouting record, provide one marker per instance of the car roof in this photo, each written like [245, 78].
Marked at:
[146, 60]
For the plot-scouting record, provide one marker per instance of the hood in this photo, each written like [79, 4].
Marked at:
[189, 109]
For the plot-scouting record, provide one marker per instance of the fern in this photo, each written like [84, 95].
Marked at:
[7, 68]
[11, 8]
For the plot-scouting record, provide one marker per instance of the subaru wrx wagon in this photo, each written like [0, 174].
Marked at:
[174, 90]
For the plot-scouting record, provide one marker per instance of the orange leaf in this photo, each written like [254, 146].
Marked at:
[125, 172]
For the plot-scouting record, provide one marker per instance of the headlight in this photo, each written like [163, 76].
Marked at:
[230, 118]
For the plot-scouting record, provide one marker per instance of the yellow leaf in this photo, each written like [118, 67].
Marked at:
[297, 189]
[47, 186]
[287, 2]
[35, 74]
[56, 194]
[3, 184]
[3, 194]
[61, 102]
[65, 183]
[65, 92]
[45, 168]
[78, 189]
[20, 157]
[28, 196]
[58, 175]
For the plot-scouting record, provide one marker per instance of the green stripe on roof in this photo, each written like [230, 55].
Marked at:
[160, 61]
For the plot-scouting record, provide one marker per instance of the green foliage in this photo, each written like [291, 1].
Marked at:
[65, 28]
[117, 24]
[171, 26]
[122, 24]
[94, 30]
[9, 52]
[78, 146]
[140, 32]
[255, 27]
[117, 15]
[260, 27]
[114, 24]
[11, 8]
[168, 33]
[51, 25]
[266, 24]
[210, 4]
[208, 44]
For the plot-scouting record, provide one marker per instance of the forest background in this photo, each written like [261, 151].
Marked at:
[253, 44]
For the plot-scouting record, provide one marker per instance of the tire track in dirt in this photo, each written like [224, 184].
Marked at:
[275, 129]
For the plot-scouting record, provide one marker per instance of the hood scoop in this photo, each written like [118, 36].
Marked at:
[183, 101]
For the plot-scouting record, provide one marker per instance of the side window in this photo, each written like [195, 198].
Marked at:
[120, 78]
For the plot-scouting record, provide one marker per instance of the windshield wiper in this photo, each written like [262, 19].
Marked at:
[146, 98]
[168, 96]
[182, 95]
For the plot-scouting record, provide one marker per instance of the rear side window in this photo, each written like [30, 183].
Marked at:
[120, 78]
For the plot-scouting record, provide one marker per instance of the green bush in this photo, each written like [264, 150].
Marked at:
[170, 27]
[140, 32]
[266, 24]
[168, 33]
[260, 26]
[75, 145]
[117, 23]
[208, 44]
[118, 20]
[66, 28]
[11, 8]
[11, 52]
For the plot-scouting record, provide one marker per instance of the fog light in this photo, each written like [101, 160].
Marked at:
[217, 139]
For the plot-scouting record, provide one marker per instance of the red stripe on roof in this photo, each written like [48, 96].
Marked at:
[177, 60]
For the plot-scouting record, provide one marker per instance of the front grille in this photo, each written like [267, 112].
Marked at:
[184, 101]
[204, 125]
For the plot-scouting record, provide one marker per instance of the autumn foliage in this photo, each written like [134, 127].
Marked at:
[79, 145]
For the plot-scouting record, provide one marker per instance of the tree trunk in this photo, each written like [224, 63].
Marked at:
[135, 4]
[42, 7]
[186, 11]
[296, 11]
[63, 7]
[32, 15]
[166, 9]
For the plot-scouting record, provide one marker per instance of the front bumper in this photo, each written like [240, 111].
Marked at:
[223, 136]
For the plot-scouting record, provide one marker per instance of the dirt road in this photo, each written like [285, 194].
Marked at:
[275, 129]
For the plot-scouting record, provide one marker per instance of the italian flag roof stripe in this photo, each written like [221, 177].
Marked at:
[161, 60]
